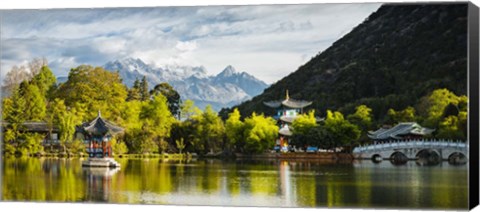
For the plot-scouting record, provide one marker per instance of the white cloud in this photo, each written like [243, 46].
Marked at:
[267, 41]
[186, 46]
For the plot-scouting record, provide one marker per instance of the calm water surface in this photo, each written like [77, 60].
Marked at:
[238, 183]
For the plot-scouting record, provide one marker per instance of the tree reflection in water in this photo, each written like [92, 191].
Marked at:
[273, 183]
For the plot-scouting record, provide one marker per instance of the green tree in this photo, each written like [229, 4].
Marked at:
[186, 131]
[118, 147]
[130, 115]
[14, 114]
[180, 145]
[301, 127]
[260, 133]
[188, 110]
[234, 128]
[303, 123]
[157, 120]
[320, 137]
[31, 144]
[13, 78]
[405, 115]
[449, 128]
[340, 130]
[144, 94]
[134, 92]
[94, 89]
[362, 117]
[173, 98]
[66, 119]
[139, 141]
[209, 131]
[76, 147]
[433, 106]
[45, 81]
[35, 103]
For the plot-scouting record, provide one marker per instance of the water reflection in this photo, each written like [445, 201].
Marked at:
[239, 183]
[99, 180]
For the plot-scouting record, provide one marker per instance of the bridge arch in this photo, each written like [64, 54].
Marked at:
[428, 157]
[415, 149]
[457, 158]
[376, 158]
[398, 158]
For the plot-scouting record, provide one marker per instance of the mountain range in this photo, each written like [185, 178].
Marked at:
[226, 89]
[399, 54]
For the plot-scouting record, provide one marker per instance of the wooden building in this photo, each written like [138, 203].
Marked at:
[50, 133]
[98, 134]
[401, 131]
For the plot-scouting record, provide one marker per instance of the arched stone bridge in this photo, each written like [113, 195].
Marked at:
[413, 149]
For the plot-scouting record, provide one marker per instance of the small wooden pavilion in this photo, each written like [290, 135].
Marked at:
[98, 133]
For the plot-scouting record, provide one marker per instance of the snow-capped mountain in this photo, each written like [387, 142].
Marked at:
[226, 89]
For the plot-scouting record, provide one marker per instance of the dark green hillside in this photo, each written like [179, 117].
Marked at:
[397, 55]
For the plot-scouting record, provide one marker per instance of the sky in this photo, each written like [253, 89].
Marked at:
[268, 41]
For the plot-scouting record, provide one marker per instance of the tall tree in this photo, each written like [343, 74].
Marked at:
[303, 123]
[405, 115]
[188, 110]
[341, 130]
[301, 127]
[45, 81]
[14, 77]
[144, 94]
[433, 106]
[66, 119]
[13, 112]
[35, 103]
[95, 89]
[134, 92]
[234, 128]
[173, 98]
[209, 131]
[158, 120]
[36, 65]
[362, 117]
[260, 133]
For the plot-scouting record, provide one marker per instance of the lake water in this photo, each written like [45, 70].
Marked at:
[238, 183]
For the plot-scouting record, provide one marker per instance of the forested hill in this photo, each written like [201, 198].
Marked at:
[397, 55]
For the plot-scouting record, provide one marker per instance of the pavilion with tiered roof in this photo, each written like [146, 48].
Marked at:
[98, 133]
[287, 110]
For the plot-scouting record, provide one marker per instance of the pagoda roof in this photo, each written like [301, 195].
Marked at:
[100, 126]
[273, 104]
[399, 130]
[288, 119]
[292, 103]
[288, 102]
[285, 130]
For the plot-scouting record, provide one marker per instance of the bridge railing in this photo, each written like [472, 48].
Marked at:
[411, 143]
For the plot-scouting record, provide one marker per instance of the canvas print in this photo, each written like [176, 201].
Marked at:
[362, 105]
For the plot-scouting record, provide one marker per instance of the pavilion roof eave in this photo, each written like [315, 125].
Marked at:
[285, 131]
[101, 126]
[295, 103]
[403, 128]
[273, 104]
